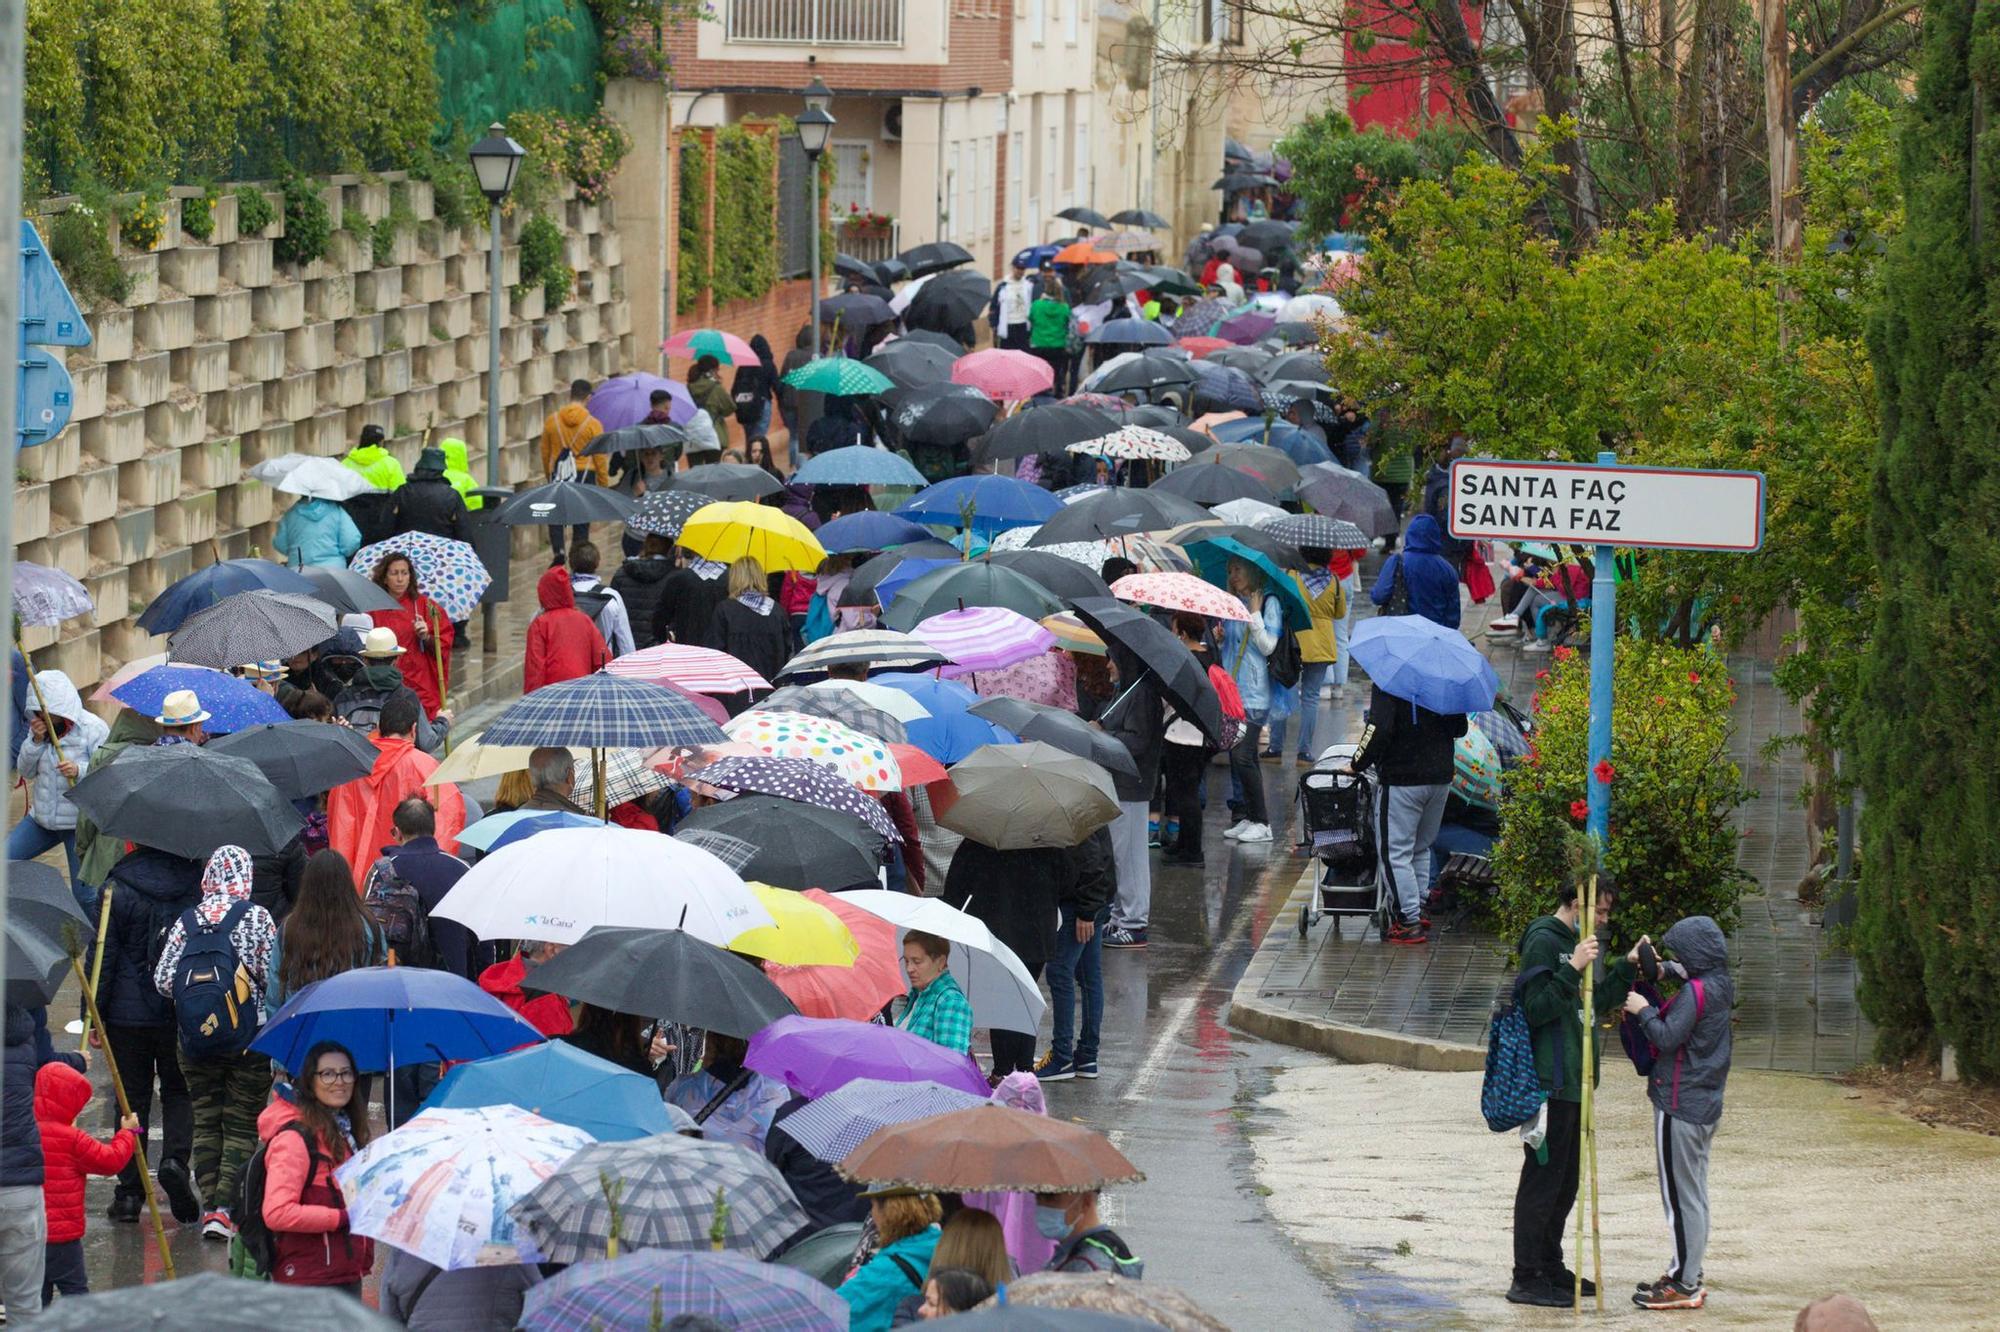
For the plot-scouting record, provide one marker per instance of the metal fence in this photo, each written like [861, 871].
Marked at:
[795, 219]
[817, 22]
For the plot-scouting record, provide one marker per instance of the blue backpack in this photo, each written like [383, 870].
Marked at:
[215, 998]
[1512, 1091]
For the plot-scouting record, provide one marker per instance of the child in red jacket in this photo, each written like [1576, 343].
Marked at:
[68, 1154]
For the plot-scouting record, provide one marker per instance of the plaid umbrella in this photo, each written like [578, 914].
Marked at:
[800, 780]
[840, 1121]
[839, 376]
[857, 758]
[666, 1188]
[1200, 319]
[46, 597]
[661, 512]
[839, 706]
[883, 648]
[987, 638]
[697, 669]
[604, 711]
[1316, 531]
[1508, 742]
[734, 852]
[627, 776]
[252, 626]
[448, 572]
[722, 1289]
[232, 704]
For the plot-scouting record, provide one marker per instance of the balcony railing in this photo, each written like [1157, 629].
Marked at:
[870, 245]
[817, 22]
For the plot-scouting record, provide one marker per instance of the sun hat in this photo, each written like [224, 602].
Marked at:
[181, 708]
[381, 644]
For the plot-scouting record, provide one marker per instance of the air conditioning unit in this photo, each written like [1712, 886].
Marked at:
[892, 123]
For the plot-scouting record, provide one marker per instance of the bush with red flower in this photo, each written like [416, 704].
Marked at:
[1674, 792]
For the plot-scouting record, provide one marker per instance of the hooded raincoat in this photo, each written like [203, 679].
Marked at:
[459, 472]
[573, 428]
[226, 881]
[317, 532]
[360, 813]
[563, 643]
[1431, 578]
[1693, 1039]
[48, 789]
[428, 502]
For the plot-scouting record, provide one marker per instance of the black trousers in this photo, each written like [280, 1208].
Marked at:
[1397, 490]
[1249, 774]
[1058, 360]
[62, 1270]
[145, 1054]
[580, 532]
[1186, 770]
[411, 1084]
[1543, 1198]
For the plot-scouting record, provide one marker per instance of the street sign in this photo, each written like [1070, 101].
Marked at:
[50, 317]
[45, 395]
[1597, 505]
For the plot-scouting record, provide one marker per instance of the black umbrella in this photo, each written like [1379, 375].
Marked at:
[301, 758]
[948, 301]
[1208, 483]
[36, 965]
[1309, 366]
[216, 1302]
[1064, 730]
[638, 438]
[1101, 282]
[665, 974]
[933, 258]
[1154, 416]
[729, 481]
[944, 414]
[891, 271]
[1195, 440]
[798, 846]
[1340, 493]
[1090, 217]
[963, 587]
[1247, 359]
[846, 265]
[1266, 236]
[1280, 552]
[910, 364]
[932, 338]
[1162, 654]
[1146, 373]
[566, 502]
[856, 309]
[187, 801]
[1243, 180]
[1066, 578]
[1049, 428]
[1118, 513]
[1170, 281]
[348, 592]
[43, 924]
[1294, 333]
[1139, 217]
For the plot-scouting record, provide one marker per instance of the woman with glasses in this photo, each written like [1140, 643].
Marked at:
[324, 1123]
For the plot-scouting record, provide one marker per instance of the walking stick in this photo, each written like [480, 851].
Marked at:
[1587, 1131]
[97, 963]
[125, 1108]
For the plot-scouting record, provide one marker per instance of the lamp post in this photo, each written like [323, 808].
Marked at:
[815, 125]
[496, 161]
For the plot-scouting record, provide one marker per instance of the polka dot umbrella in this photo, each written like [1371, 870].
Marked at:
[852, 756]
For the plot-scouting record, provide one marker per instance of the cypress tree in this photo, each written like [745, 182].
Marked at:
[1928, 737]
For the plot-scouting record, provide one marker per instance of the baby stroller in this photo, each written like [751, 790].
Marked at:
[1337, 824]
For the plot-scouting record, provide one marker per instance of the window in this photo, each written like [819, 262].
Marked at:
[1082, 174]
[986, 171]
[1017, 175]
[1037, 17]
[1073, 21]
[952, 221]
[853, 179]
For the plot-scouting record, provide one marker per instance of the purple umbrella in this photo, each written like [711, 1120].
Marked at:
[1245, 329]
[817, 1055]
[984, 638]
[628, 400]
[802, 780]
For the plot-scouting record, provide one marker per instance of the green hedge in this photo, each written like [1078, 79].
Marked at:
[746, 217]
[694, 275]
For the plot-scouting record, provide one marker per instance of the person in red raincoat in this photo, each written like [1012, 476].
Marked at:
[360, 814]
[563, 643]
[421, 627]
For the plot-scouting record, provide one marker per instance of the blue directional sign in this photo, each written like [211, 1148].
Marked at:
[50, 317]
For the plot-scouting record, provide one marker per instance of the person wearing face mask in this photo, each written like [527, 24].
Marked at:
[1083, 1242]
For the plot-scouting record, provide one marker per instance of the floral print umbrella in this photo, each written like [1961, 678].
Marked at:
[448, 572]
[1180, 592]
[852, 756]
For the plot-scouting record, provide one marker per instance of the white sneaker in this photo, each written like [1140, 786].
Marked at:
[1505, 624]
[1256, 832]
[1236, 831]
[1536, 645]
[1326, 693]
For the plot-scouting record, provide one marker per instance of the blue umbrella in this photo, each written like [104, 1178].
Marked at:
[603, 711]
[1412, 658]
[225, 578]
[995, 503]
[1293, 442]
[906, 572]
[951, 731]
[858, 465]
[232, 704]
[1133, 333]
[485, 834]
[387, 1016]
[1211, 558]
[558, 1081]
[520, 830]
[1227, 387]
[835, 1124]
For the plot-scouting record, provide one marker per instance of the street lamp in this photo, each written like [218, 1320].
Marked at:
[496, 161]
[815, 126]
[819, 97]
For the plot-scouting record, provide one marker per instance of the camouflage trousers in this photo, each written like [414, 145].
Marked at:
[228, 1094]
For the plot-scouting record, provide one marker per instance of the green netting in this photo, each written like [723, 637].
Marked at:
[517, 55]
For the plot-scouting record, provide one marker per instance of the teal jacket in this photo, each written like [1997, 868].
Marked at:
[873, 1293]
[317, 531]
[1553, 1005]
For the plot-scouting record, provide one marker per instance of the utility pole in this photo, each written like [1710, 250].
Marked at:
[13, 36]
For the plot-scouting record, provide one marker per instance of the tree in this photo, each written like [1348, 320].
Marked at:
[1343, 174]
[1928, 937]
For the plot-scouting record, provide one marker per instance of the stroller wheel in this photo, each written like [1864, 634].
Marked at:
[1305, 921]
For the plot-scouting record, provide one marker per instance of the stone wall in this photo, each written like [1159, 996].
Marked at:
[221, 358]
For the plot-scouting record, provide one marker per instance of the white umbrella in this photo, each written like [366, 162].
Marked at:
[1307, 308]
[323, 478]
[558, 885]
[892, 701]
[1248, 512]
[1014, 538]
[273, 470]
[999, 988]
[908, 292]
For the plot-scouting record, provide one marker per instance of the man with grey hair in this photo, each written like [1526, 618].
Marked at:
[552, 772]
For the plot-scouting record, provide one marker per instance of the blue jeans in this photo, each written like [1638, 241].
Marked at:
[1312, 676]
[1072, 963]
[30, 839]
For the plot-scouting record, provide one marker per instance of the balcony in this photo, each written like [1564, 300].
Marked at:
[869, 243]
[817, 22]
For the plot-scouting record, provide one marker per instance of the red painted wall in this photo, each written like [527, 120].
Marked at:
[1409, 85]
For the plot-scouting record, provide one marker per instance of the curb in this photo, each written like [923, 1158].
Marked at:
[1355, 1045]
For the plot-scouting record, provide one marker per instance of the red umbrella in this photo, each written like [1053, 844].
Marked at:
[919, 768]
[857, 992]
[1203, 346]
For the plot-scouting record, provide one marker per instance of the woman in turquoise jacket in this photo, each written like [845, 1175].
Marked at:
[906, 1227]
[317, 531]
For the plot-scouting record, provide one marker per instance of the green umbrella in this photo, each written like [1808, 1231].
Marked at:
[839, 376]
[1011, 797]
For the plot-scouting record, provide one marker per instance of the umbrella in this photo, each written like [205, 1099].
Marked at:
[1316, 531]
[349, 593]
[968, 583]
[1475, 775]
[985, 638]
[448, 572]
[838, 376]
[818, 1056]
[1108, 1298]
[1212, 555]
[565, 502]
[485, 835]
[1219, 386]
[1411, 658]
[1140, 217]
[1271, 466]
[1246, 328]
[1146, 372]
[835, 1124]
[1307, 366]
[301, 758]
[1065, 578]
[1243, 180]
[875, 648]
[998, 987]
[204, 587]
[1004, 375]
[1293, 333]
[1143, 551]
[662, 512]
[1063, 730]
[215, 1302]
[856, 310]
[950, 731]
[663, 1194]
[1013, 797]
[1509, 742]
[46, 597]
[728, 531]
[1339, 493]
[990, 1149]
[1266, 236]
[628, 399]
[556, 886]
[868, 529]
[1083, 252]
[935, 257]
[1214, 485]
[1090, 217]
[1281, 554]
[323, 478]
[857, 465]
[1132, 332]
[388, 1016]
[797, 845]
[710, 1289]
[941, 341]
[846, 265]
[800, 780]
[184, 800]
[252, 626]
[560, 1082]
[1118, 513]
[231, 703]
[861, 759]
[602, 711]
[1253, 514]
[1163, 655]
[1180, 592]
[665, 974]
[729, 481]
[699, 669]
[731, 851]
[942, 415]
[1201, 317]
[1134, 442]
[439, 1187]
[1309, 307]
[698, 342]
[43, 922]
[909, 364]
[849, 710]
[1072, 636]
[1247, 359]
[1301, 448]
[948, 301]
[807, 933]
[858, 990]
[1049, 428]
[985, 503]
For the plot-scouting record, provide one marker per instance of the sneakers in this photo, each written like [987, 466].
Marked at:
[1503, 624]
[1049, 1070]
[1411, 933]
[1671, 1294]
[1537, 645]
[1152, 832]
[1565, 1280]
[1125, 936]
[1327, 694]
[125, 1208]
[1254, 832]
[178, 1184]
[1235, 831]
[1086, 1068]
[216, 1225]
[1540, 1292]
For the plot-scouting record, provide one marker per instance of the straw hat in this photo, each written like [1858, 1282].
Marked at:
[381, 644]
[181, 708]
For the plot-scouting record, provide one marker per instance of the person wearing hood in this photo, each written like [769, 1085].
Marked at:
[374, 513]
[598, 599]
[361, 700]
[458, 471]
[69, 1156]
[507, 981]
[361, 813]
[1691, 1035]
[563, 644]
[317, 532]
[1429, 580]
[753, 389]
[57, 753]
[566, 433]
[23, 1220]
[1083, 1242]
[640, 580]
[150, 890]
[227, 1089]
[307, 1138]
[428, 501]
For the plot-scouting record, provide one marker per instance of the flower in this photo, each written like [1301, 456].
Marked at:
[1541, 675]
[1564, 653]
[1579, 810]
[1604, 772]
[1694, 677]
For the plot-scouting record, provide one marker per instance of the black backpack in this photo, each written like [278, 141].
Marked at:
[399, 909]
[260, 1246]
[215, 997]
[360, 705]
[1399, 591]
[1286, 664]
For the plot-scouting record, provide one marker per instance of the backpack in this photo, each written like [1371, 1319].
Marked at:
[1511, 1091]
[1285, 663]
[564, 467]
[260, 1246]
[1399, 592]
[399, 909]
[215, 997]
[1638, 1049]
[593, 602]
[360, 706]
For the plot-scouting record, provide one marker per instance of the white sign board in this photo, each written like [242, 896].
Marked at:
[1596, 505]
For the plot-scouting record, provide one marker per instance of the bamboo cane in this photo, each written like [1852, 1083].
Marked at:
[97, 963]
[125, 1108]
[41, 704]
[1586, 1110]
[597, 776]
[1596, 1244]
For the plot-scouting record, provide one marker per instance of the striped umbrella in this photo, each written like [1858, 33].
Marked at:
[837, 1122]
[874, 648]
[1134, 442]
[984, 638]
[718, 1289]
[697, 669]
[801, 780]
[602, 711]
[1180, 592]
[852, 756]
[1003, 375]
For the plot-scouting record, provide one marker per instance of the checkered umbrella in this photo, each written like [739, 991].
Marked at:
[252, 626]
[602, 711]
[46, 596]
[697, 669]
[666, 1188]
[840, 1121]
[800, 780]
[661, 512]
[723, 1289]
[840, 706]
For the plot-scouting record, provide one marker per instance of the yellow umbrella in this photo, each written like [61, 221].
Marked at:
[726, 532]
[805, 934]
[1072, 634]
[471, 760]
